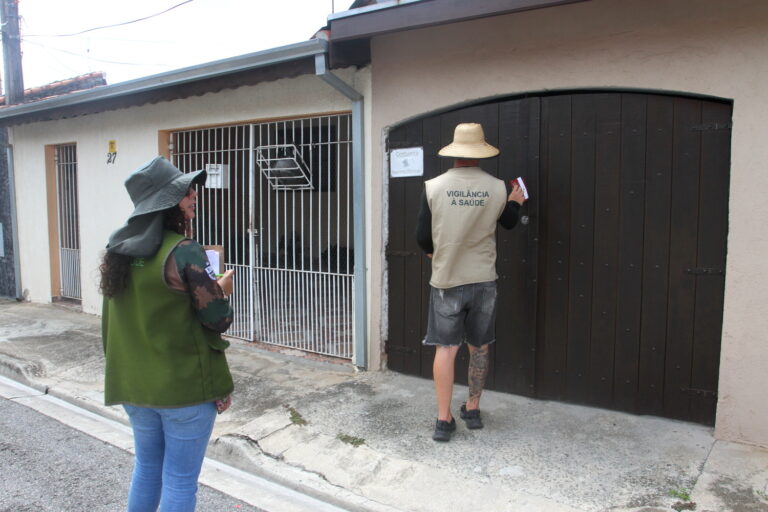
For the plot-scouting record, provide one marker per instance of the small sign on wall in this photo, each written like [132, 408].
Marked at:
[111, 151]
[406, 162]
[218, 175]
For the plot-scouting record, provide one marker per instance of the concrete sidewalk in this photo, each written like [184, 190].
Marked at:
[298, 422]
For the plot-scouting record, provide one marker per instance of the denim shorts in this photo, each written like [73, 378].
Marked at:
[462, 313]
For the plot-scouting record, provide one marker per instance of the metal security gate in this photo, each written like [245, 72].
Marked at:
[223, 209]
[68, 220]
[612, 293]
[278, 199]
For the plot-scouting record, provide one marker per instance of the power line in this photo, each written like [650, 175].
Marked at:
[97, 59]
[126, 40]
[110, 26]
[59, 63]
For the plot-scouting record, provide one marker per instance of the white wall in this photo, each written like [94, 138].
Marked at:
[104, 203]
[706, 47]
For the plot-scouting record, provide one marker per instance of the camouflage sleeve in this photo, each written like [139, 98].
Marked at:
[211, 307]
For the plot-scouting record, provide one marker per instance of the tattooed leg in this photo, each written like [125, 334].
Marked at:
[478, 371]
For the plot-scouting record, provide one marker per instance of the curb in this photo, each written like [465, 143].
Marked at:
[230, 449]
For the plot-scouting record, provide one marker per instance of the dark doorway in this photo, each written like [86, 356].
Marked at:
[8, 277]
[611, 292]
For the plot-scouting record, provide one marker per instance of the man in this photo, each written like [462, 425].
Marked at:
[457, 230]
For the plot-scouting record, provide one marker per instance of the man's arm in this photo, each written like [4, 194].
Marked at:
[424, 226]
[509, 216]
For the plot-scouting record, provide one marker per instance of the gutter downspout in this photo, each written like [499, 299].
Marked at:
[14, 220]
[358, 207]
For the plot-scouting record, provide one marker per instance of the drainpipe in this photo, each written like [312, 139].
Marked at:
[358, 205]
[14, 221]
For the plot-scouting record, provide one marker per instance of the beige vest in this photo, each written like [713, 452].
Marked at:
[466, 203]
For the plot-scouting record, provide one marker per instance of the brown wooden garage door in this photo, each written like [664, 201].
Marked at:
[612, 293]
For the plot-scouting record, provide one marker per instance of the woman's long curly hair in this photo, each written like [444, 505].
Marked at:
[116, 267]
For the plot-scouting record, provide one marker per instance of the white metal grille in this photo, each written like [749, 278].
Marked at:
[291, 246]
[69, 224]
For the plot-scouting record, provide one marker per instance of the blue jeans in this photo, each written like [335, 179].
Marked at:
[170, 447]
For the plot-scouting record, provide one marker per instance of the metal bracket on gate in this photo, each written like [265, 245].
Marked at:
[284, 167]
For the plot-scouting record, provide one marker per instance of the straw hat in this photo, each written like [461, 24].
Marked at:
[469, 142]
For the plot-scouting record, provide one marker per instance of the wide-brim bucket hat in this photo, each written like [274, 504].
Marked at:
[154, 187]
[469, 142]
[158, 185]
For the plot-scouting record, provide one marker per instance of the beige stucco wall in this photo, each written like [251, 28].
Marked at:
[104, 204]
[707, 47]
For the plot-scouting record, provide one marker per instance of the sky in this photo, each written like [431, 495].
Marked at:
[195, 32]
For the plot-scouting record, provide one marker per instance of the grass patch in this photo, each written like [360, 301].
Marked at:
[296, 418]
[680, 494]
[685, 502]
[354, 441]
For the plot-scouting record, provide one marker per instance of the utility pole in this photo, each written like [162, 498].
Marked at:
[10, 275]
[14, 80]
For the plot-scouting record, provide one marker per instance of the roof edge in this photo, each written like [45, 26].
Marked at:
[369, 8]
[211, 69]
[401, 15]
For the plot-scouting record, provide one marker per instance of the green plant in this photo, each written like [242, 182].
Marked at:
[354, 441]
[680, 494]
[762, 495]
[296, 418]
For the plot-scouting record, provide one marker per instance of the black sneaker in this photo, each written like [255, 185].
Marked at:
[443, 430]
[471, 417]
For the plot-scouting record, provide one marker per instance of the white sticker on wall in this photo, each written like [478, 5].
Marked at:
[406, 162]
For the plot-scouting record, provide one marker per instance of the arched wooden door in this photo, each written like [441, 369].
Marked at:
[611, 292]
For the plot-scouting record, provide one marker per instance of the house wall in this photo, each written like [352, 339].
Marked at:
[688, 46]
[104, 204]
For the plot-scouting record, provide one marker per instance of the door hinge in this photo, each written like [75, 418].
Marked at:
[704, 393]
[401, 254]
[705, 271]
[712, 126]
[399, 348]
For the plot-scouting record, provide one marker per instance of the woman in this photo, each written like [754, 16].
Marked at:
[162, 318]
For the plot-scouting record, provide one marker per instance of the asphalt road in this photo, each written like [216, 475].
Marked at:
[46, 466]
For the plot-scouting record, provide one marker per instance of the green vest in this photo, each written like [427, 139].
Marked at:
[158, 354]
